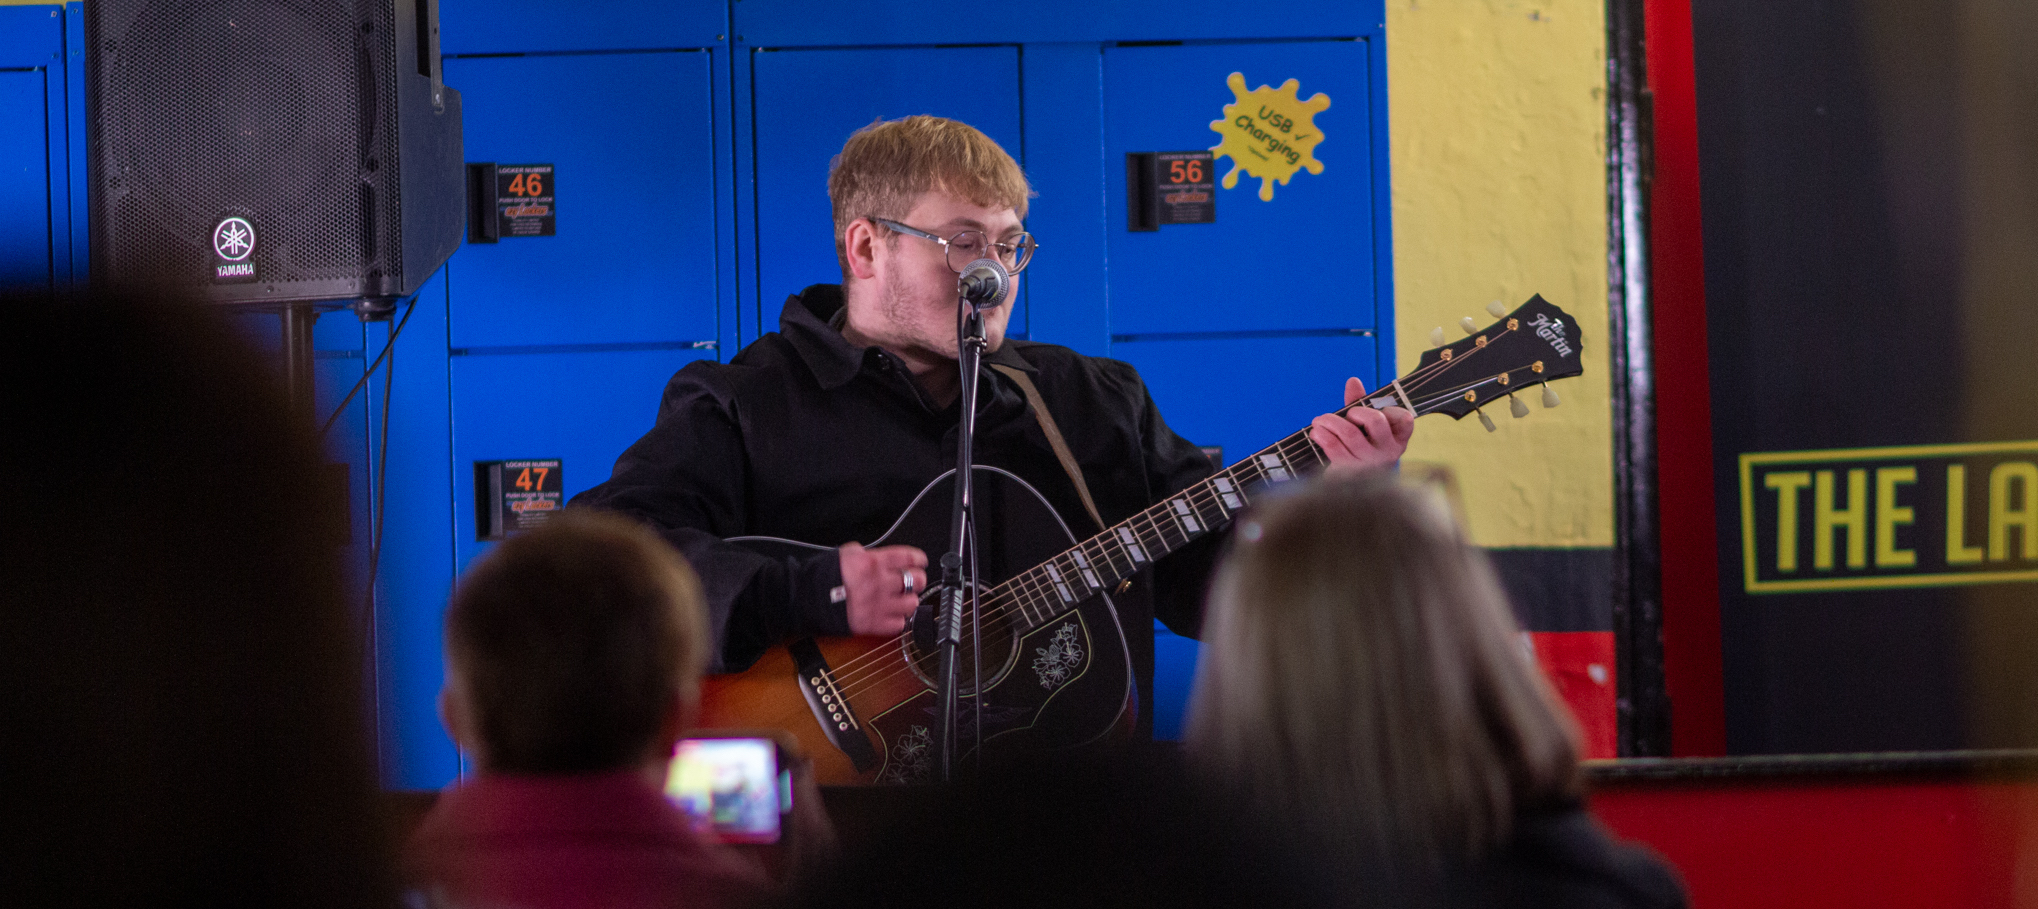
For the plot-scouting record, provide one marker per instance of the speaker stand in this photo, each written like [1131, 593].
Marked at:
[300, 388]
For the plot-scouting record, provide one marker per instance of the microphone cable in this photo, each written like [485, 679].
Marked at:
[370, 371]
[376, 509]
[379, 478]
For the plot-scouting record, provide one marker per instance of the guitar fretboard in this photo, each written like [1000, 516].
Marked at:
[1099, 563]
[1528, 347]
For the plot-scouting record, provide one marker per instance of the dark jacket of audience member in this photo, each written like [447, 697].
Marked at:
[182, 686]
[574, 654]
[1072, 830]
[1365, 698]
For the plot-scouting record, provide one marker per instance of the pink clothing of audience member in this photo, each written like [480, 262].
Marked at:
[573, 666]
[599, 841]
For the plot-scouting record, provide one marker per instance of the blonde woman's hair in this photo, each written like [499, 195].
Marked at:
[1363, 685]
[886, 166]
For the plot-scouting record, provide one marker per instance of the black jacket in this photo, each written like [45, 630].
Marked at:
[805, 436]
[1563, 858]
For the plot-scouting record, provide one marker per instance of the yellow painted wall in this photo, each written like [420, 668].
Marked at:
[1497, 124]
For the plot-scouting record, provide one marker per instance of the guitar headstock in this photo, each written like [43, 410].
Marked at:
[1530, 346]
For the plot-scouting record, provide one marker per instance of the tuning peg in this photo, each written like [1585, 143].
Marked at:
[1549, 397]
[1467, 324]
[1496, 309]
[1486, 421]
[1436, 336]
[1517, 407]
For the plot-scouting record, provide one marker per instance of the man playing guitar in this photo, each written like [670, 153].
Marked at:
[826, 429]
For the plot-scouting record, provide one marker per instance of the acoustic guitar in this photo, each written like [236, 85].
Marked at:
[1044, 662]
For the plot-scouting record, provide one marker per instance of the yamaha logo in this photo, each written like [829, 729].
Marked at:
[233, 239]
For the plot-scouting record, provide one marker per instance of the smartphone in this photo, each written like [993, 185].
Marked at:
[735, 788]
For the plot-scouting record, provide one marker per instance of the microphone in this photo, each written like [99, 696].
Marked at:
[985, 282]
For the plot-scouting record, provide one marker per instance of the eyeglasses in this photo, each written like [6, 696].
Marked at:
[971, 245]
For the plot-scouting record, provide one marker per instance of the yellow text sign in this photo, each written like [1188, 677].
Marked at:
[1269, 133]
[1910, 516]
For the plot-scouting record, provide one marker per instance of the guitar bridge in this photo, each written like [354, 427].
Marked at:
[831, 707]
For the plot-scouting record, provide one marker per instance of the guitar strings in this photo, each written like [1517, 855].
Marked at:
[861, 673]
[1424, 374]
[1006, 596]
[1433, 404]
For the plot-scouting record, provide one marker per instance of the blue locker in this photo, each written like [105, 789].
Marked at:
[1065, 284]
[1304, 261]
[1247, 393]
[24, 182]
[34, 166]
[634, 259]
[74, 184]
[524, 26]
[807, 103]
[584, 408]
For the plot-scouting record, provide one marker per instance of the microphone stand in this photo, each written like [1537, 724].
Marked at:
[956, 587]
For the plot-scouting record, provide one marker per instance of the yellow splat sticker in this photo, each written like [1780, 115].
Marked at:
[1269, 133]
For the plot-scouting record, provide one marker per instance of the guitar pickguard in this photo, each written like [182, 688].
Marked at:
[1054, 658]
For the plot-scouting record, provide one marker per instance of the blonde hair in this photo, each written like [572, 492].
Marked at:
[1363, 684]
[573, 639]
[886, 166]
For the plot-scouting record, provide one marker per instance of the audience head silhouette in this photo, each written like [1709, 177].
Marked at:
[183, 722]
[574, 648]
[574, 655]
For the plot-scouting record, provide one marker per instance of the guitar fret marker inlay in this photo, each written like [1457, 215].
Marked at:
[1227, 494]
[1276, 468]
[1059, 586]
[1187, 517]
[1083, 565]
[1131, 545]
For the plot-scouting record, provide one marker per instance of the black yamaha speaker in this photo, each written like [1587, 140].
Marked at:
[271, 150]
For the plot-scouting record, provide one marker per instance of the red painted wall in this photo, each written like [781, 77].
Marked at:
[1579, 665]
[1691, 602]
[1859, 845]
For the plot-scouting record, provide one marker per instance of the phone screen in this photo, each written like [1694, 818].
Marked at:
[730, 787]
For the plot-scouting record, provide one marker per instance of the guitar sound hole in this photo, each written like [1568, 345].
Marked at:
[999, 652]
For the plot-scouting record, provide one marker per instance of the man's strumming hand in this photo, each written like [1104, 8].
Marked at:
[880, 600]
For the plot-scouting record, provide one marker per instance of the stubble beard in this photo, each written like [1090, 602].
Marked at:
[904, 315]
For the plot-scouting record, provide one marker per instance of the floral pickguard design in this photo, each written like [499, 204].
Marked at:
[912, 757]
[1053, 664]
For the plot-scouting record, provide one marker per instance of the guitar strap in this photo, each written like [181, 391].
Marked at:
[1054, 439]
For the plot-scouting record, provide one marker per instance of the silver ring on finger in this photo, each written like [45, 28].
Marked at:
[908, 576]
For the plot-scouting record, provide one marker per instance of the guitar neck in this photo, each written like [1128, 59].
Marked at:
[1099, 563]
[1530, 346]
